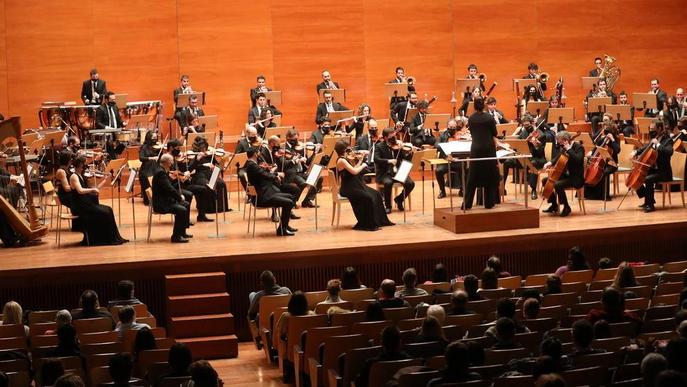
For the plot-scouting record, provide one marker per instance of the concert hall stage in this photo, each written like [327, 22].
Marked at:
[42, 276]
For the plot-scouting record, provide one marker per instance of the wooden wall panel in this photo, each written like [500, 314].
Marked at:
[223, 49]
[4, 103]
[308, 38]
[49, 52]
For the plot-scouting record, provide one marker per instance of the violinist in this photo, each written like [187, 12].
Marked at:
[179, 174]
[265, 121]
[250, 140]
[363, 115]
[536, 142]
[261, 104]
[209, 200]
[419, 134]
[269, 194]
[148, 156]
[261, 87]
[189, 113]
[452, 133]
[368, 142]
[107, 114]
[606, 138]
[482, 173]
[168, 200]
[387, 157]
[326, 106]
[295, 168]
[661, 171]
[573, 176]
[400, 111]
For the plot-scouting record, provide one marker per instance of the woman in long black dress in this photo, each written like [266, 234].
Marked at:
[208, 201]
[367, 203]
[482, 173]
[64, 190]
[97, 220]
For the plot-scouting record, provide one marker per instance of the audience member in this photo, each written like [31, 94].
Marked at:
[269, 288]
[604, 263]
[553, 284]
[494, 263]
[551, 347]
[203, 375]
[431, 330]
[576, 261]
[652, 364]
[51, 370]
[438, 312]
[350, 280]
[333, 290]
[613, 311]
[12, 314]
[125, 295]
[459, 302]
[624, 277]
[439, 275]
[387, 297]
[144, 341]
[456, 368]
[671, 378]
[682, 329]
[121, 367]
[297, 306]
[90, 307]
[602, 330]
[409, 285]
[374, 312]
[179, 360]
[544, 365]
[69, 380]
[62, 317]
[471, 286]
[583, 335]
[676, 354]
[505, 307]
[391, 350]
[127, 321]
[476, 353]
[505, 334]
[530, 309]
[490, 279]
[550, 380]
[66, 343]
[531, 293]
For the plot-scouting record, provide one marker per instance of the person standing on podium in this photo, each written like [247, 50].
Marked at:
[482, 173]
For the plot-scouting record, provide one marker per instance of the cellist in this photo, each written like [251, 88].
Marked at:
[573, 176]
[605, 137]
[661, 170]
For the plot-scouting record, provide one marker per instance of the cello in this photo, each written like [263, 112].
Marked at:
[555, 173]
[596, 166]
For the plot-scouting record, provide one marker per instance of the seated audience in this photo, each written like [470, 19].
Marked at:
[676, 353]
[13, 314]
[494, 263]
[438, 312]
[391, 350]
[583, 335]
[459, 301]
[476, 353]
[69, 380]
[121, 368]
[652, 364]
[269, 288]
[179, 361]
[530, 309]
[604, 263]
[125, 295]
[471, 286]
[431, 330]
[66, 343]
[374, 312]
[505, 307]
[624, 277]
[350, 280]
[613, 311]
[550, 380]
[576, 261]
[682, 329]
[671, 378]
[50, 371]
[602, 330]
[203, 375]
[297, 306]
[551, 347]
[127, 321]
[409, 285]
[62, 317]
[90, 307]
[505, 334]
[144, 341]
[456, 369]
[439, 275]
[387, 297]
[553, 284]
[490, 279]
[333, 290]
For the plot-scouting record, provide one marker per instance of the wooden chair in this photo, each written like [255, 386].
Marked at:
[564, 335]
[89, 325]
[647, 280]
[43, 341]
[98, 360]
[371, 329]
[353, 362]
[605, 274]
[14, 343]
[253, 210]
[677, 163]
[347, 319]
[337, 199]
[611, 344]
[140, 310]
[12, 330]
[495, 294]
[662, 311]
[323, 308]
[578, 276]
[512, 282]
[600, 285]
[42, 316]
[98, 337]
[295, 327]
[414, 300]
[574, 287]
[396, 314]
[150, 320]
[19, 379]
[465, 320]
[111, 347]
[355, 295]
[147, 358]
[333, 346]
[637, 304]
[482, 307]
[540, 324]
[443, 287]
[478, 330]
[669, 288]
[565, 299]
[659, 325]
[130, 337]
[315, 298]
[503, 356]
[424, 350]
[672, 277]
[605, 359]
[413, 379]
[513, 381]
[592, 376]
[646, 269]
[454, 332]
[521, 291]
[556, 312]
[383, 371]
[651, 336]
[156, 371]
[665, 299]
[266, 306]
[312, 338]
[584, 307]
[536, 279]
[16, 365]
[36, 329]
[408, 324]
[164, 342]
[591, 296]
[99, 375]
[674, 267]
[69, 217]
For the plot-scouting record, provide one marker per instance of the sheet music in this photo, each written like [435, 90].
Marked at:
[455, 147]
[504, 153]
[213, 178]
[130, 183]
[403, 171]
[314, 175]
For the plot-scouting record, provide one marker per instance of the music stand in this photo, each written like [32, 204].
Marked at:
[209, 122]
[418, 162]
[431, 119]
[579, 127]
[620, 112]
[209, 136]
[311, 181]
[506, 128]
[129, 188]
[53, 137]
[29, 137]
[277, 120]
[523, 83]
[633, 141]
[470, 109]
[115, 168]
[643, 124]
[279, 131]
[337, 116]
[597, 104]
[139, 123]
[182, 99]
[396, 90]
[536, 108]
[411, 113]
[402, 173]
[236, 162]
[121, 100]
[644, 100]
[585, 139]
[36, 146]
[273, 98]
[337, 94]
[561, 115]
[589, 83]
[464, 85]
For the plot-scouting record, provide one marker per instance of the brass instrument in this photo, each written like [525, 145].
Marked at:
[542, 77]
[610, 71]
[482, 77]
[410, 80]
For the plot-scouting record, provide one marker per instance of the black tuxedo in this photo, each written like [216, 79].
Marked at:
[317, 137]
[168, 200]
[325, 85]
[482, 173]
[530, 76]
[399, 111]
[269, 195]
[595, 73]
[87, 91]
[254, 113]
[364, 143]
[186, 115]
[384, 172]
[572, 177]
[106, 115]
[661, 98]
[501, 119]
[661, 171]
[254, 95]
[322, 112]
[421, 134]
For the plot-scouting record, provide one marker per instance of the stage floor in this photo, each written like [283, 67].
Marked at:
[240, 248]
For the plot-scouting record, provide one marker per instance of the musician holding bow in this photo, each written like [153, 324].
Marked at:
[661, 171]
[572, 176]
[400, 112]
[387, 158]
[93, 90]
[167, 199]
[452, 133]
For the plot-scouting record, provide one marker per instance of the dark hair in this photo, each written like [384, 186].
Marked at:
[624, 277]
[602, 330]
[144, 341]
[184, 76]
[334, 287]
[439, 274]
[399, 68]
[431, 329]
[670, 378]
[457, 358]
[553, 284]
[459, 299]
[410, 277]
[51, 370]
[533, 66]
[613, 301]
[490, 100]
[544, 365]
[78, 162]
[69, 380]
[349, 278]
[125, 289]
[505, 307]
[267, 279]
[260, 77]
[251, 151]
[179, 357]
[422, 104]
[391, 339]
[65, 157]
[605, 263]
[298, 304]
[531, 308]
[66, 337]
[676, 353]
[94, 71]
[476, 353]
[479, 104]
[388, 288]
[126, 314]
[470, 284]
[494, 262]
[374, 312]
[340, 148]
[576, 259]
[531, 293]
[148, 139]
[505, 328]
[551, 346]
[472, 66]
[681, 314]
[121, 367]
[203, 375]
[387, 131]
[550, 380]
[583, 333]
[261, 95]
[490, 279]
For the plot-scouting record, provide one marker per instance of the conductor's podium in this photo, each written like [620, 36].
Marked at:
[505, 216]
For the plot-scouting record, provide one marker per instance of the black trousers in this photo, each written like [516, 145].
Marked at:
[284, 201]
[559, 196]
[646, 191]
[299, 181]
[181, 213]
[440, 173]
[388, 184]
[419, 141]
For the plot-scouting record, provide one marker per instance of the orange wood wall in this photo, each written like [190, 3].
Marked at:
[142, 47]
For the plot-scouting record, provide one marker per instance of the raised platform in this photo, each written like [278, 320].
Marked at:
[508, 216]
[307, 260]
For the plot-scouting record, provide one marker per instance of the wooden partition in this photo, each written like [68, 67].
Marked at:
[142, 47]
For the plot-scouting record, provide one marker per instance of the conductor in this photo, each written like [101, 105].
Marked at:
[482, 173]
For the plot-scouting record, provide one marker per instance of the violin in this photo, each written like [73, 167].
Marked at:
[180, 176]
[354, 157]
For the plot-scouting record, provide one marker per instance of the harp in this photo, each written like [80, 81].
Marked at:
[30, 229]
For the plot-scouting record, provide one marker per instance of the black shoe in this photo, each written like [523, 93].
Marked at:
[179, 239]
[284, 232]
[460, 193]
[187, 235]
[642, 206]
[309, 204]
[552, 209]
[649, 208]
[534, 195]
[203, 218]
[399, 203]
[566, 211]
[275, 218]
[387, 210]
[294, 216]
[289, 228]
[442, 195]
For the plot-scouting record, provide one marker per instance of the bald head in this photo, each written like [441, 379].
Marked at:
[251, 131]
[166, 160]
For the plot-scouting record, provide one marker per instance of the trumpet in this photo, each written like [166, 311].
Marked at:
[410, 80]
[542, 77]
[482, 77]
